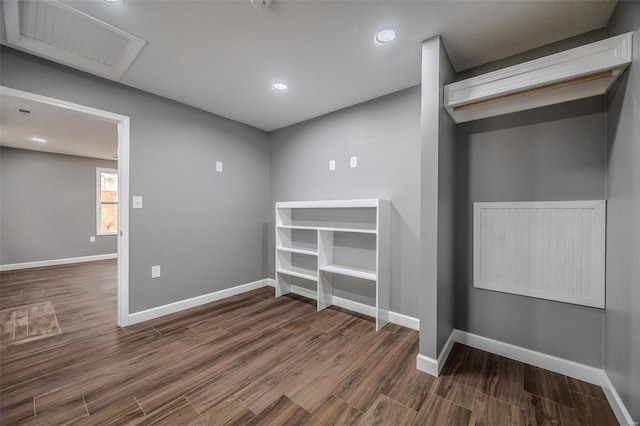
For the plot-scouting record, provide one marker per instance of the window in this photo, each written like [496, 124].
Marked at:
[107, 201]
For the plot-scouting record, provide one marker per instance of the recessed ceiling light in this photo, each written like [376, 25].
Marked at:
[385, 36]
[279, 86]
[38, 140]
[111, 1]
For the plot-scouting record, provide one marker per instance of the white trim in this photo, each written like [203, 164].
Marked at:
[301, 291]
[618, 407]
[181, 305]
[99, 171]
[549, 362]
[427, 365]
[404, 320]
[124, 138]
[123, 219]
[361, 308]
[110, 116]
[444, 353]
[54, 262]
[433, 366]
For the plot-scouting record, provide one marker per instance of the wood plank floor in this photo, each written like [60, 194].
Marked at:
[255, 359]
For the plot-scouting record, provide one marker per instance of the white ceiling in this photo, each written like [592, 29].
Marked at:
[66, 132]
[223, 56]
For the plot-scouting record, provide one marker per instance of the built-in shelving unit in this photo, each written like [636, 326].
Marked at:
[585, 71]
[317, 241]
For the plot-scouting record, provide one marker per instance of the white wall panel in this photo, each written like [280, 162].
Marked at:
[550, 250]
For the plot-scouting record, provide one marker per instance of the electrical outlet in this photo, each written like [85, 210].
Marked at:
[354, 162]
[92, 239]
[332, 164]
[155, 271]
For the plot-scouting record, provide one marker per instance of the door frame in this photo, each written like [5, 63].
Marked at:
[123, 123]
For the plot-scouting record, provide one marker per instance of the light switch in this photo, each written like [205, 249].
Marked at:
[218, 166]
[354, 161]
[332, 164]
[137, 201]
[155, 271]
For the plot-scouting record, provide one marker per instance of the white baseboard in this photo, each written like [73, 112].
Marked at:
[301, 291]
[434, 366]
[618, 407]
[54, 262]
[361, 308]
[427, 365]
[579, 371]
[404, 320]
[549, 362]
[171, 308]
[358, 307]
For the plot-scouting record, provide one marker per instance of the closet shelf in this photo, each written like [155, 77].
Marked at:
[298, 272]
[298, 250]
[350, 272]
[314, 239]
[585, 71]
[326, 228]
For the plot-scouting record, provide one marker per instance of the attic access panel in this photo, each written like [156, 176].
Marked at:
[58, 32]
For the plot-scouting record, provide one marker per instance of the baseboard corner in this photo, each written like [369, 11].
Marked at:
[618, 407]
[427, 365]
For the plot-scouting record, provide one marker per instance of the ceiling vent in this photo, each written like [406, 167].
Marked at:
[53, 30]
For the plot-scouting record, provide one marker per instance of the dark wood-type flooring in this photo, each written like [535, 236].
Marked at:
[256, 359]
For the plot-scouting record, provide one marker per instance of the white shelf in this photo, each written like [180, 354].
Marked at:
[325, 224]
[350, 272]
[332, 229]
[298, 272]
[308, 252]
[585, 71]
[328, 204]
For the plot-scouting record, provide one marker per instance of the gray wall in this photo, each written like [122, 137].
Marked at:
[385, 136]
[529, 55]
[206, 229]
[48, 208]
[437, 202]
[545, 154]
[622, 317]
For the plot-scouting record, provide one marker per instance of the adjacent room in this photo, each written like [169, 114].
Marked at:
[310, 212]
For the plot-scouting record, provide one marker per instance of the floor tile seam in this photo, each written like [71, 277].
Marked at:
[140, 406]
[341, 399]
[192, 406]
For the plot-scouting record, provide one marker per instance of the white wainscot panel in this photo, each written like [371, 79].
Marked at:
[550, 250]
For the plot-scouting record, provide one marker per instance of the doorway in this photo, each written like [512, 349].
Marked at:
[123, 137]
